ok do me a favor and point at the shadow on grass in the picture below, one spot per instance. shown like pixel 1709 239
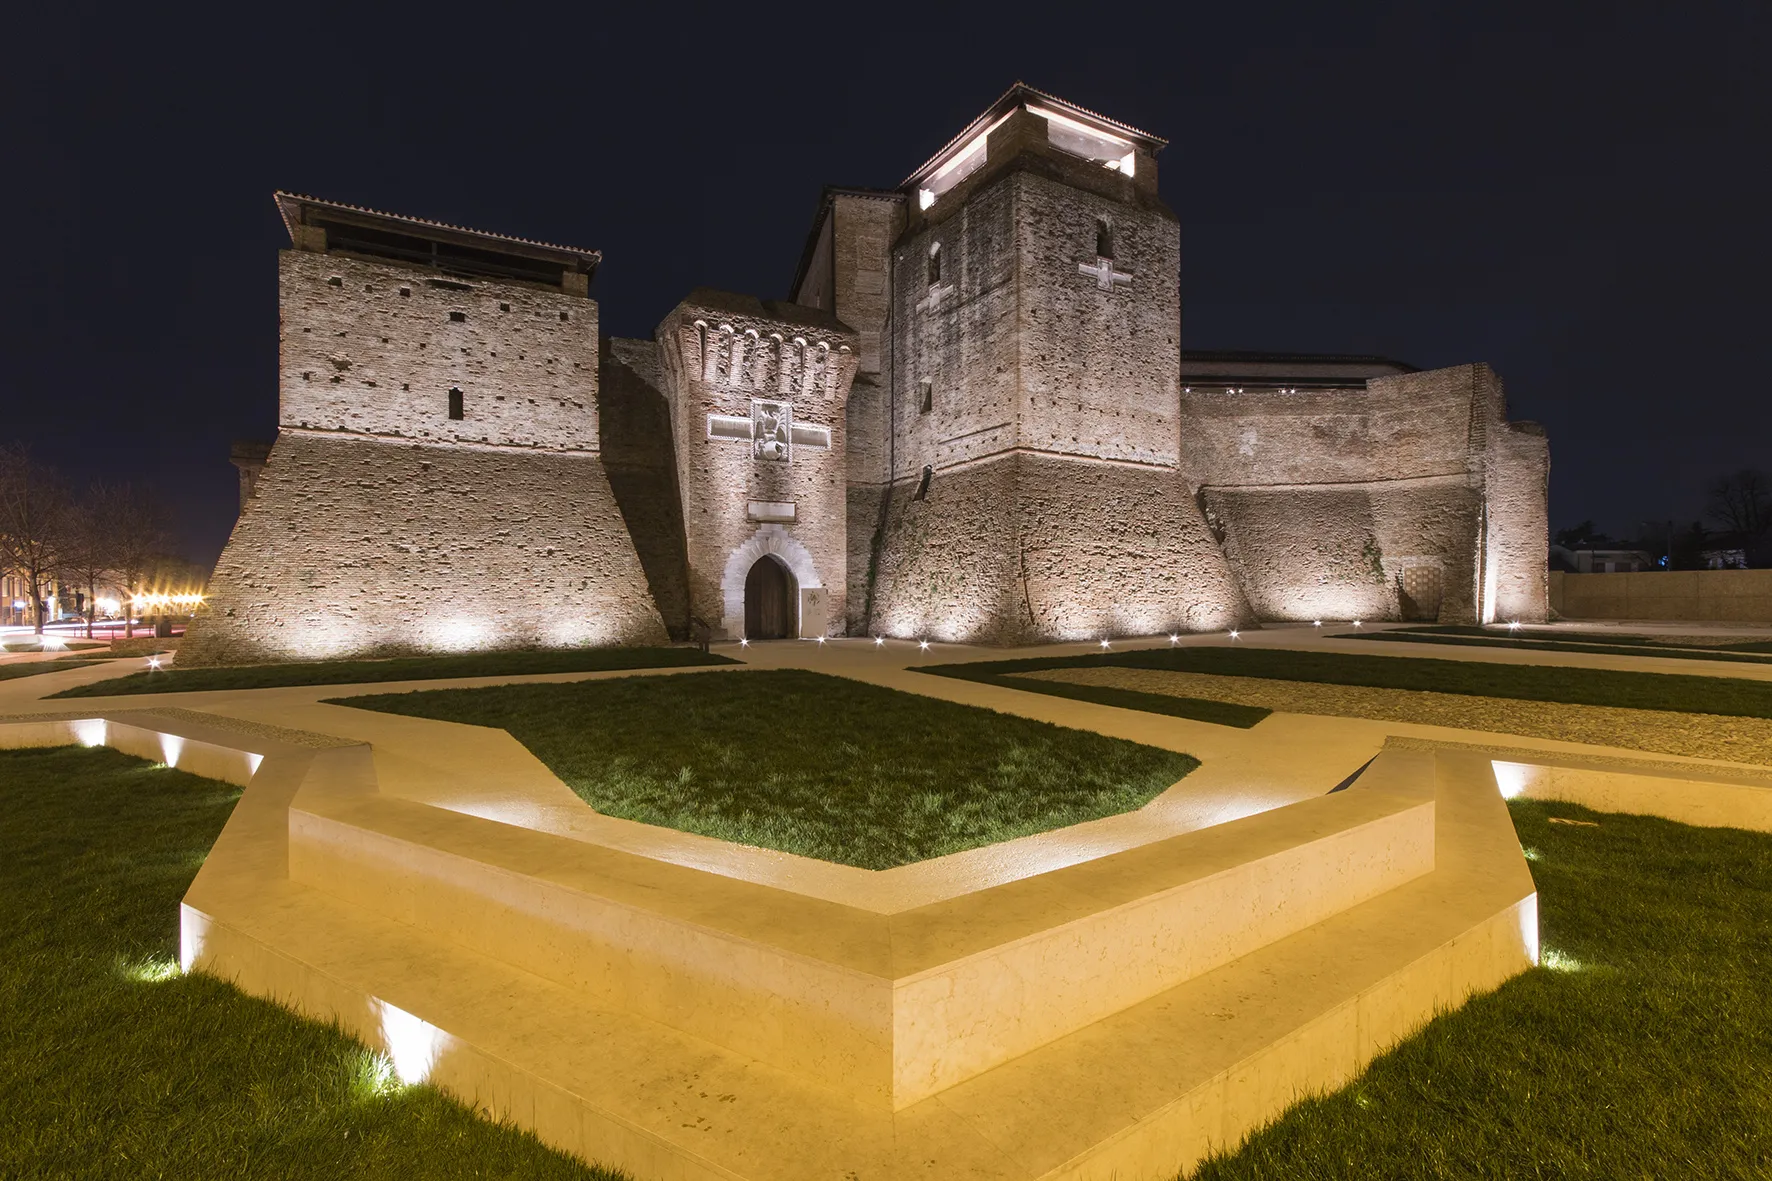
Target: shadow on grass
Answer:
pixel 113 1065
pixel 1638 1051
pixel 406 668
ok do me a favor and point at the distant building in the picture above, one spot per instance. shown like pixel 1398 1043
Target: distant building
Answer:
pixel 1585 560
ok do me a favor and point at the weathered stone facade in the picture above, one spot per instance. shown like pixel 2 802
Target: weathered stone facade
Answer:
pixel 973 421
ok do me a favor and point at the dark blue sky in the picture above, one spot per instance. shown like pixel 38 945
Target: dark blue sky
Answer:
pixel 1578 195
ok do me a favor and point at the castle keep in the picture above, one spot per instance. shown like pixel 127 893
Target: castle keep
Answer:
pixel 971 420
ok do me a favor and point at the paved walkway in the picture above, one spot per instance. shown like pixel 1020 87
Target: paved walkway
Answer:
pixel 1285 758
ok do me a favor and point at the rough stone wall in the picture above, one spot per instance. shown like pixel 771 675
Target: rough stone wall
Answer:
pixel 635 427
pixel 374 347
pixel 1050 422
pixel 361 547
pixel 1028 547
pixel 859 231
pixel 1409 426
pixel 381 525
pixel 1100 369
pixel 1324 499
pixel 721 353
pixel 1336 552
pixel 1517 482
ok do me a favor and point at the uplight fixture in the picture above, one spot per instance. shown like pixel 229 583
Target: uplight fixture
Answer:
pixel 1175 639
pixel 1357 623
pixel 153 662
pixel 821 639
pixel 879 641
pixel 744 642
pixel 1513 625
pixel 922 645
pixel 1104 643
pixel 1235 634
pixel 1316 623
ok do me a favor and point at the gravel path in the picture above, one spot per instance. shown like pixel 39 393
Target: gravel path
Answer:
pixel 1705 736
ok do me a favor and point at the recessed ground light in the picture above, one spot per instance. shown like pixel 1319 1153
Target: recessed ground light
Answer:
pixel 879 641
pixel 1234 634
pixel 923 645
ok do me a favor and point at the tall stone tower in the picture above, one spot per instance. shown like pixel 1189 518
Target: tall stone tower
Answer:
pixel 757 393
pixel 1033 427
pixel 437 483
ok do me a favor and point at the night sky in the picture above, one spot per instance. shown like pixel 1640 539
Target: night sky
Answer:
pixel 1579 195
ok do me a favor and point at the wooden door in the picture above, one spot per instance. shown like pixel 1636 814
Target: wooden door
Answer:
pixel 768 601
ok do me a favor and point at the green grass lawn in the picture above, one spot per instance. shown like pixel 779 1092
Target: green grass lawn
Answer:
pixel 406 668
pixel 1523 682
pixel 112 1065
pixel 1642 1053
pixel 1002 673
pixel 810 764
pixel 1620 646
pixel 32 668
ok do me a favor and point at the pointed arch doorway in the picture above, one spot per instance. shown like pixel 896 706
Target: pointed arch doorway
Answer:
pixel 769 595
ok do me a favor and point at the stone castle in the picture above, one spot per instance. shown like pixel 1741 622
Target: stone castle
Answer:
pixel 972 420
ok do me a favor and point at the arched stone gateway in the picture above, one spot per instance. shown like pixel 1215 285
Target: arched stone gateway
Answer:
pixel 769 541
pixel 770 600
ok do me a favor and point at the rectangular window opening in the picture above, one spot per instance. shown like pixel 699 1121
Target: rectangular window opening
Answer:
pixel 926 402
pixel 455 406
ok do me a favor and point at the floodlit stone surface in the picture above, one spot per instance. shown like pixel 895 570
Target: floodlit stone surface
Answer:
pixel 972 421
pixel 1242 958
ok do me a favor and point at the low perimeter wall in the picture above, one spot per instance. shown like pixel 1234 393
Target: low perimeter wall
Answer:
pixel 1723 596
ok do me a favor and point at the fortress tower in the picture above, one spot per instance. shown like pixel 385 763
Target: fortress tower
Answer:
pixel 436 483
pixel 1031 424
pixel 972 421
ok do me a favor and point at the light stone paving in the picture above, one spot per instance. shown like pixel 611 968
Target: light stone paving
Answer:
pixel 684 1008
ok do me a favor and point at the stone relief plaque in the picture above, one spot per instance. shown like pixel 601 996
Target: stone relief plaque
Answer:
pixel 772 430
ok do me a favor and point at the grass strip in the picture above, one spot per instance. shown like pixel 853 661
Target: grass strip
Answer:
pixel 1678 692
pixel 406 668
pixel 115 1066
pixel 805 763
pixel 1661 651
pixel 1639 1050
pixel 1199 709
pixel 32 668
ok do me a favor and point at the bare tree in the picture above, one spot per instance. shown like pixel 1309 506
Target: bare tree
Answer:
pixel 91 543
pixel 1741 502
pixel 33 524
pixel 134 527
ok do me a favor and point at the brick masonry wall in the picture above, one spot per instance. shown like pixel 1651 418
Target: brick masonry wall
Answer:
pixel 635 425
pixel 1324 499
pixel 1403 427
pixel 1026 547
pixel 1336 553
pixel 374 347
pixel 1517 482
pixel 720 353
pixel 360 547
